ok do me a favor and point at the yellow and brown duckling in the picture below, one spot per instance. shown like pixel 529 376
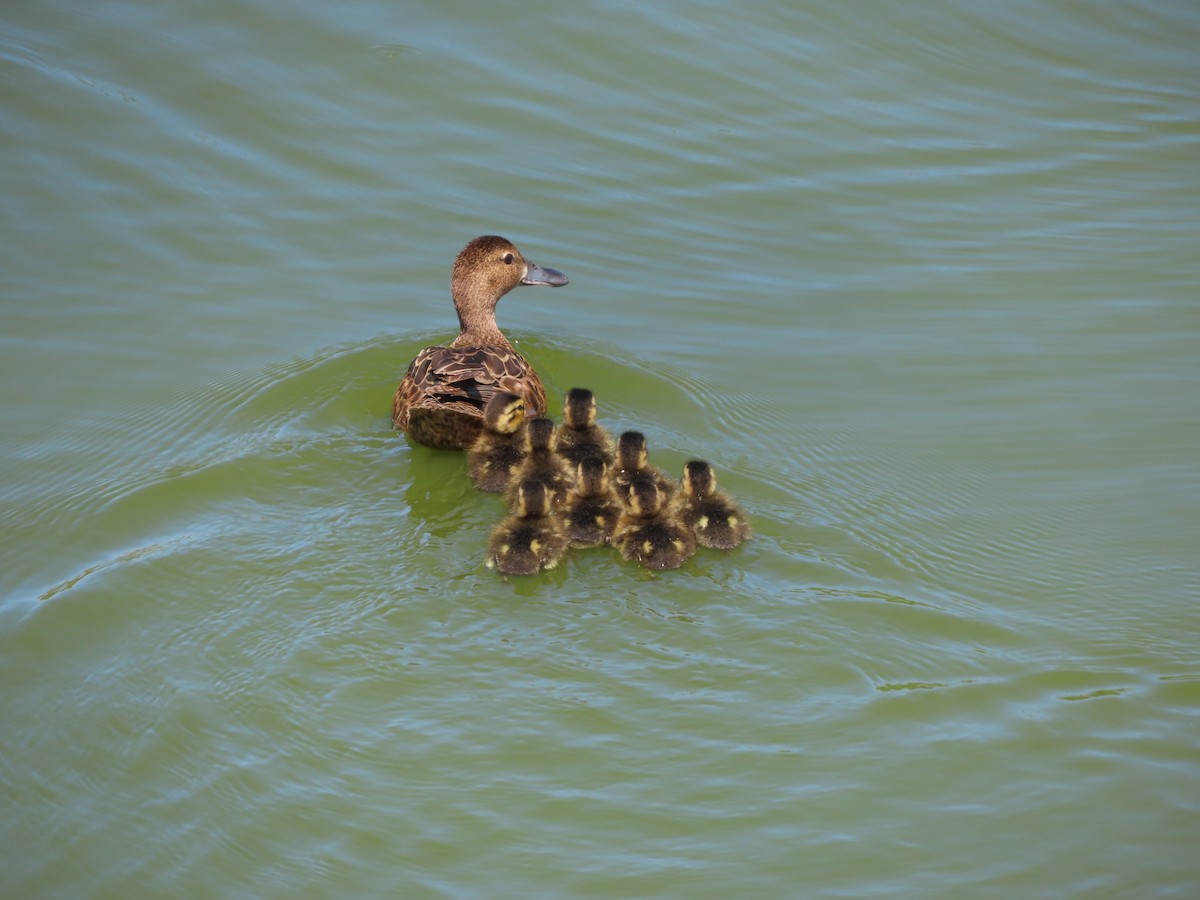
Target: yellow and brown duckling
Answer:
pixel 531 538
pixel 592 508
pixel 633 462
pixel 542 464
pixel 500 448
pixel 579 436
pixel 440 401
pixel 714 517
pixel 648 532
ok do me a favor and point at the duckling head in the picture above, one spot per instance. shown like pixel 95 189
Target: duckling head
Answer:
pixel 541 434
pixel 645 498
pixel 504 413
pixel 532 500
pixel 579 408
pixel 631 450
pixel 699 479
pixel 591 478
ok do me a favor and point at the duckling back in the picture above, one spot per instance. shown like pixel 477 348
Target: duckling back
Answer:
pixel 648 533
pixel 591 508
pixel 530 539
pixel 712 515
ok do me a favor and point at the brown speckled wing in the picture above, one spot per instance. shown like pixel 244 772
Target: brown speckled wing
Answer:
pixel 464 379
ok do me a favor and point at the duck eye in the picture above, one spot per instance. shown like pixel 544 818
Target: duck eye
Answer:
pixel 508 258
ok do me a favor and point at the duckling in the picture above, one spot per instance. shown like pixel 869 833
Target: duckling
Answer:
pixel 542 464
pixel 632 463
pixel 591 508
pixel 579 436
pixel 648 533
pixel 714 517
pixel 440 400
pixel 530 539
pixel 500 447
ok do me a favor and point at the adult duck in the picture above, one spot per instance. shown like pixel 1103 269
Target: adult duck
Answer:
pixel 440 400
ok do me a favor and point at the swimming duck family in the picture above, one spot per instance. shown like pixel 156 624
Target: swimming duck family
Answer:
pixel 654 523
pixel 441 399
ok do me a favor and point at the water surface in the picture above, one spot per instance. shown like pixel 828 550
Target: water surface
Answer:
pixel 921 284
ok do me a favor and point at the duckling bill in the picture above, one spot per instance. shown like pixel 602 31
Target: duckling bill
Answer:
pixel 441 399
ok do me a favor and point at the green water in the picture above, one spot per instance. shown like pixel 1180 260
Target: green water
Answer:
pixel 921 281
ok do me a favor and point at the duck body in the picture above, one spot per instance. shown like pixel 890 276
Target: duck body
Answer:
pixel 579 436
pixel 648 533
pixel 531 538
pixel 441 399
pixel 591 509
pixel 632 463
pixel 500 448
pixel 542 464
pixel 712 515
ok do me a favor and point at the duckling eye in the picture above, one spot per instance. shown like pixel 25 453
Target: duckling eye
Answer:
pixel 508 258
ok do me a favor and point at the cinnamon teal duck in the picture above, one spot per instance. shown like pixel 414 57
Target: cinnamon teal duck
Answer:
pixel 441 398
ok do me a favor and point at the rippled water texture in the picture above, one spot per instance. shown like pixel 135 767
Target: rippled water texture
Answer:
pixel 920 280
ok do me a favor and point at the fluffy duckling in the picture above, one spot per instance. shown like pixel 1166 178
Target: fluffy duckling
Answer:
pixel 648 533
pixel 591 509
pixel 542 464
pixel 711 514
pixel 500 448
pixel 440 400
pixel 632 463
pixel 579 436
pixel 530 539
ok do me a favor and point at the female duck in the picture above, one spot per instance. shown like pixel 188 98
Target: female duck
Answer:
pixel 579 436
pixel 441 398
pixel 648 533
pixel 542 464
pixel 530 539
pixel 591 509
pixel 500 447
pixel 632 463
pixel 711 514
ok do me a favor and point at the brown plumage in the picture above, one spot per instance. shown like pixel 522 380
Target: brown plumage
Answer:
pixel 441 398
